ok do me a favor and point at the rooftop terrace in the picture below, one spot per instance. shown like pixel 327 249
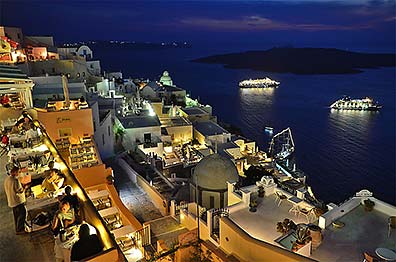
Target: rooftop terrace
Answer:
pixel 209 128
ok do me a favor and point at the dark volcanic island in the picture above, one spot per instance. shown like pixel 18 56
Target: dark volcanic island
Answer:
pixel 302 60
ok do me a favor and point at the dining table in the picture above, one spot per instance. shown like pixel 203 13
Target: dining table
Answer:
pixel 386 254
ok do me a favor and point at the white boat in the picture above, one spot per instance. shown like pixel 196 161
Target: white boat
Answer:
pixel 259 83
pixel 365 104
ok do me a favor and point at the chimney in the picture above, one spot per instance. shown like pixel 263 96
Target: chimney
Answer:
pixel 65 91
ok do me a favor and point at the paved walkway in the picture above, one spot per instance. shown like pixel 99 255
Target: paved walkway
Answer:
pixel 133 197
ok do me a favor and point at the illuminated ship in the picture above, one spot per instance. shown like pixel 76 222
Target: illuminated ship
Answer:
pixel 259 83
pixel 365 104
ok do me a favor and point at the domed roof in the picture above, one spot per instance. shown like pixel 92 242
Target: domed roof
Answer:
pixel 214 171
pixel 165 73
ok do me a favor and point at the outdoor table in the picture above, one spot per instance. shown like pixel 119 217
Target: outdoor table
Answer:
pixel 122 231
pixel 8 123
pixel 25 178
pixel 98 194
pixel 386 254
pixel 295 201
pixel 40 203
pixel 108 212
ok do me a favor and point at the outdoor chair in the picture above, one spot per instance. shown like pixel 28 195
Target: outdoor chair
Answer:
pixel 391 224
pixel 280 197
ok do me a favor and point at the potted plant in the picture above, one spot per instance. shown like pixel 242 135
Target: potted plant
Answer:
pixel 261 191
pixel 303 236
pixel 368 205
pixel 110 179
pixel 285 226
pixel 253 206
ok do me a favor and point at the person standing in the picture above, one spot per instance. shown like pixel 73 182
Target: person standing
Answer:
pixel 16 200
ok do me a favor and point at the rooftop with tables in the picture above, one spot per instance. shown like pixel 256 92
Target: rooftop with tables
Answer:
pixel 348 230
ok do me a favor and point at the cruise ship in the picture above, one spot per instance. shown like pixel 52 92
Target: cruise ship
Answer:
pixel 365 104
pixel 259 83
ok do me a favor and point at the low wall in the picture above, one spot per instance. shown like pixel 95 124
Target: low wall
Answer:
pixel 337 212
pixel 158 200
pixel 383 207
pixel 126 215
pixel 189 221
pixel 91 176
pixel 132 174
pixel 235 241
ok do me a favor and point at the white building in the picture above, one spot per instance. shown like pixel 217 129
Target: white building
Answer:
pixel 103 130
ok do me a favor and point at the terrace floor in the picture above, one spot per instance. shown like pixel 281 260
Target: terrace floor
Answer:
pixel 262 223
pixel 363 231
pixel 19 247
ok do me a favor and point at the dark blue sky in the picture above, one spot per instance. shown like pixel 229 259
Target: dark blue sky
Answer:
pixel 321 23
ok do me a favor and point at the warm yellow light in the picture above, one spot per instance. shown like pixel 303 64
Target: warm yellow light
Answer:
pixel 41 148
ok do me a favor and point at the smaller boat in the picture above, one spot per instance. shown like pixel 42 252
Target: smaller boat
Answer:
pixel 269 129
pixel 365 104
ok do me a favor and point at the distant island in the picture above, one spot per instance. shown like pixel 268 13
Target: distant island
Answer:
pixel 302 60
pixel 130 44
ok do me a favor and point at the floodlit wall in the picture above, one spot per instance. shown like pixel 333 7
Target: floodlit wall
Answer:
pixel 77 69
pixel 104 134
pixel 158 200
pixel 91 176
pixel 180 134
pixel 233 240
pixel 137 134
pixel 78 121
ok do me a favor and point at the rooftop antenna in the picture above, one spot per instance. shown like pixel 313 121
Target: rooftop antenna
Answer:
pixel 65 91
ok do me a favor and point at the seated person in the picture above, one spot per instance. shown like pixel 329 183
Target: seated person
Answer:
pixel 17 128
pixel 26 123
pixel 87 245
pixel 53 182
pixel 72 199
pixel 63 218
pixel 31 134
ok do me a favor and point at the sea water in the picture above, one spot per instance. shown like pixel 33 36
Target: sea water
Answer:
pixel 341 152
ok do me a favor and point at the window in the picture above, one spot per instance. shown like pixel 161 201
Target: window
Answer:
pixel 94 124
pixel 64 132
pixel 53 70
pixel 108 130
pixel 147 138
pixel 211 200
pixel 103 139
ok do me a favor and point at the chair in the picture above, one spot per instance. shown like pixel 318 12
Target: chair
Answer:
pixel 280 197
pixel 391 224
pixel 305 212
pixel 370 258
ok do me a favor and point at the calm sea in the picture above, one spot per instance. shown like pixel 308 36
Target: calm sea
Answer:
pixel 341 152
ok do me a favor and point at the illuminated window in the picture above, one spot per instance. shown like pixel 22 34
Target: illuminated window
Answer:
pixel 64 132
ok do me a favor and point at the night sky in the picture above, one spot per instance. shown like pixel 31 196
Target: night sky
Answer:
pixel 320 23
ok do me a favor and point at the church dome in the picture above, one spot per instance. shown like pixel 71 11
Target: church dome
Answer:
pixel 214 171
pixel 166 79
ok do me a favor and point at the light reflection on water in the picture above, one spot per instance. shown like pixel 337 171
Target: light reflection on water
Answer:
pixel 256 106
pixel 351 123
